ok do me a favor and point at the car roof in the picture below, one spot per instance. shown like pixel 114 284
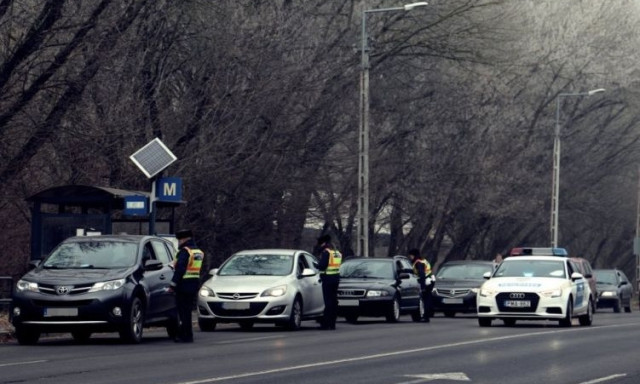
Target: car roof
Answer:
pixel 541 258
pixel 388 259
pixel 269 251
pixel 128 238
pixel 468 262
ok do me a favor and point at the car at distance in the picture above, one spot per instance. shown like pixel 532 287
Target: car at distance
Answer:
pixel 457 284
pixel 106 283
pixel 614 289
pixel 377 287
pixel 535 288
pixel 278 286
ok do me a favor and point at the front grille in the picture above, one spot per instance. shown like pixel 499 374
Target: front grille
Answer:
pixel 236 295
pixel 254 310
pixel 504 296
pixel 50 289
pixel 453 292
pixel 350 293
pixel 62 304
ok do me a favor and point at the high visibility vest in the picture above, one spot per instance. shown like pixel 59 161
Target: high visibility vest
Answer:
pixel 335 259
pixel 195 263
pixel 427 267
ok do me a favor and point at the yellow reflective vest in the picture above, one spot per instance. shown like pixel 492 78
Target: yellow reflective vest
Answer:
pixel 195 263
pixel 335 259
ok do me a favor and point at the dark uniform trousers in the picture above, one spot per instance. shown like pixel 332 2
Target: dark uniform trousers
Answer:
pixel 330 295
pixel 186 294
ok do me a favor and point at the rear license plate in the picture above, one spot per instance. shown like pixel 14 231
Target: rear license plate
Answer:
pixel 517 303
pixel 452 301
pixel 59 312
pixel 348 303
pixel 236 305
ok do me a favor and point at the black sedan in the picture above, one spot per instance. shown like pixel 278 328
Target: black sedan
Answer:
pixel 375 287
pixel 614 289
pixel 457 283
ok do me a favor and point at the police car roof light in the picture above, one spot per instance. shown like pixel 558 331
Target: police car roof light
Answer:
pixel 528 251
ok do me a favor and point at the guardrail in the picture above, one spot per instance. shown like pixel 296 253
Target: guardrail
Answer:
pixel 6 292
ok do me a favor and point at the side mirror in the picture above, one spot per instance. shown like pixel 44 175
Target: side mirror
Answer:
pixel 623 283
pixel 404 276
pixel 576 276
pixel 487 275
pixel 33 264
pixel 212 272
pixel 308 272
pixel 153 265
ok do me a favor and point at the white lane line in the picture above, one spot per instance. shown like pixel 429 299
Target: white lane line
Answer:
pixel 396 353
pixel 23 363
pixel 249 339
pixel 603 379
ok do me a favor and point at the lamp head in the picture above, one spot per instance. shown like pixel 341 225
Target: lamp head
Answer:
pixel 409 7
pixel 594 91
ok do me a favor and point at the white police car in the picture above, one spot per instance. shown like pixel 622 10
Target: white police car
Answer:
pixel 535 288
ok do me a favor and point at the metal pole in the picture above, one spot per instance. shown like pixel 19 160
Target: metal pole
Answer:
pixel 362 248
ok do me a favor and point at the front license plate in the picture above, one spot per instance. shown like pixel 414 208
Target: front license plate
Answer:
pixel 348 303
pixel 452 301
pixel 59 312
pixel 517 303
pixel 236 305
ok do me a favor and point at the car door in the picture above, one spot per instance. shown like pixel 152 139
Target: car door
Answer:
pixel 625 286
pixel 410 288
pixel 314 302
pixel 579 288
pixel 161 302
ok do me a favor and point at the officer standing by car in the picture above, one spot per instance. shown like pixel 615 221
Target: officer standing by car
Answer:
pixel 185 282
pixel 422 269
pixel 329 266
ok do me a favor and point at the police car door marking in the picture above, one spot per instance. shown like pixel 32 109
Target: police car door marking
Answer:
pixel 579 293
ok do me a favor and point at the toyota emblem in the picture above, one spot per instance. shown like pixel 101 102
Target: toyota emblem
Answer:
pixel 516 295
pixel 62 290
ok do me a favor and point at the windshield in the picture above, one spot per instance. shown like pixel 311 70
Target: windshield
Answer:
pixel 93 254
pixel 266 265
pixel 531 268
pixel 367 269
pixel 606 277
pixel 464 271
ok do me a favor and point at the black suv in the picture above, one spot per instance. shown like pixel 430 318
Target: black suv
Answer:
pixel 107 283
pixel 379 287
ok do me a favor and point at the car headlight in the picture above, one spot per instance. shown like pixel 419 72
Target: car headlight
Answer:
pixel 275 291
pixel 377 293
pixel 206 292
pixel 26 286
pixel 111 285
pixel 552 293
pixel 609 294
pixel 475 290
pixel 486 292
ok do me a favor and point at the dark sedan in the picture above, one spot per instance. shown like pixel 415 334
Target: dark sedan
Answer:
pixel 456 285
pixel 379 288
pixel 614 289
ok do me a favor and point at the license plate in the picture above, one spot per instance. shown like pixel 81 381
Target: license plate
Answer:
pixel 517 303
pixel 236 305
pixel 452 301
pixel 59 312
pixel 348 303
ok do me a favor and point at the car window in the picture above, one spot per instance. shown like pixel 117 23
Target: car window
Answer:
pixel 623 277
pixel 93 254
pixel 406 266
pixel 311 261
pixel 161 252
pixel 606 277
pixel 531 268
pixel 302 264
pixel 257 264
pixel 463 271
pixel 367 269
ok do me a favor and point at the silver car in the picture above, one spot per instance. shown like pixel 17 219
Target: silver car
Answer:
pixel 280 286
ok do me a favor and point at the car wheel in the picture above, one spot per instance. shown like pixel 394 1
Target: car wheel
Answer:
pixel 353 319
pixel 295 318
pixel 616 306
pixel 131 332
pixel 484 321
pixel 509 322
pixel 566 322
pixel 449 313
pixel 172 328
pixel 81 336
pixel 587 318
pixel 27 336
pixel 419 314
pixel 394 312
pixel 246 325
pixel 207 325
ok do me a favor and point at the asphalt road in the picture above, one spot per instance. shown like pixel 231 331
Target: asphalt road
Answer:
pixel 372 351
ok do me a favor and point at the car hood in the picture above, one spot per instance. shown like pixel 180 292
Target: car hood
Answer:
pixel 458 283
pixel 523 284
pixel 244 283
pixel 74 276
pixel 365 283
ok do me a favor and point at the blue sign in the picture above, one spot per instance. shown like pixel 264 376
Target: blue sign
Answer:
pixel 169 189
pixel 136 206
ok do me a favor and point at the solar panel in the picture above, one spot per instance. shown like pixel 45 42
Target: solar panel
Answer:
pixel 153 158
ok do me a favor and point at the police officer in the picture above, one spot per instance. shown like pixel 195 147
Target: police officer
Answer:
pixel 186 282
pixel 422 269
pixel 329 266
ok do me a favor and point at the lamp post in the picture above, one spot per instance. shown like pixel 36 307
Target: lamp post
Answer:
pixel 555 187
pixel 362 247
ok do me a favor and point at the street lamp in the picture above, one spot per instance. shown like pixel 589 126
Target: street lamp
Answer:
pixel 362 247
pixel 555 187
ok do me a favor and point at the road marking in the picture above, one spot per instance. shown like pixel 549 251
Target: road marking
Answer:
pixel 603 379
pixel 395 353
pixel 249 339
pixel 23 363
pixel 454 376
